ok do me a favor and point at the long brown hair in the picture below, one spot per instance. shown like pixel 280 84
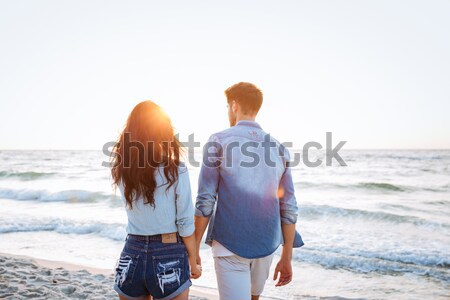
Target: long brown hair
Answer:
pixel 146 142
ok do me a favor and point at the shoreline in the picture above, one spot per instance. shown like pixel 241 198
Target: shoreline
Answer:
pixel 38 278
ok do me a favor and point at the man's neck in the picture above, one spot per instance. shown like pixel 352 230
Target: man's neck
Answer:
pixel 245 118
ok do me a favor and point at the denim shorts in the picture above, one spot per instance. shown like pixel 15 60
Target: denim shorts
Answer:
pixel 149 267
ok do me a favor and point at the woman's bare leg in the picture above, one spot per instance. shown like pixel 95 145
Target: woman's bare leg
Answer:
pixel 183 296
pixel 125 298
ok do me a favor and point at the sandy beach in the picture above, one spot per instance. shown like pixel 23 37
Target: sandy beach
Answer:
pixel 23 277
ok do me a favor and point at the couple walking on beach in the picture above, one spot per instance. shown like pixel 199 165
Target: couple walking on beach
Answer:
pixel 249 205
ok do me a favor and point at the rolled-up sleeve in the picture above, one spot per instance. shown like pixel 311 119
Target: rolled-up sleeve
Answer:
pixel 286 192
pixel 209 178
pixel 184 205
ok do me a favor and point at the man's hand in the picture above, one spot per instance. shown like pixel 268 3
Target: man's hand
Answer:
pixel 284 267
pixel 284 270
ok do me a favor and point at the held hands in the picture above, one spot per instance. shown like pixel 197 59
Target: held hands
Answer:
pixel 196 268
pixel 284 270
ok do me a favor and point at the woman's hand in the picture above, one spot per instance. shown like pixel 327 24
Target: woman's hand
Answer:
pixel 196 269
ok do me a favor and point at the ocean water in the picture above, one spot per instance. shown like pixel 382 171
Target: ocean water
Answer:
pixel 376 229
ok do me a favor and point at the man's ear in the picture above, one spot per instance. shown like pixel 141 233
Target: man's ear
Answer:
pixel 234 106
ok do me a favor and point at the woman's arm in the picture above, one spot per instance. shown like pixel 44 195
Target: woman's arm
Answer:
pixel 185 220
pixel 191 247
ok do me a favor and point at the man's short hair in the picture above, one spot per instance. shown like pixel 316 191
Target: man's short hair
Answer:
pixel 247 95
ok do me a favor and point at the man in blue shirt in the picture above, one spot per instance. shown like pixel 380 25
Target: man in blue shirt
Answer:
pixel 246 194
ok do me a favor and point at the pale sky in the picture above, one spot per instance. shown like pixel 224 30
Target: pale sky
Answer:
pixel 375 73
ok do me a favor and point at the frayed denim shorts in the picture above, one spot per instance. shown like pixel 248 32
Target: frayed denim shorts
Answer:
pixel 149 267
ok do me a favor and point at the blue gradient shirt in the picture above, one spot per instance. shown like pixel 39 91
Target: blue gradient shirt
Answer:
pixel 246 189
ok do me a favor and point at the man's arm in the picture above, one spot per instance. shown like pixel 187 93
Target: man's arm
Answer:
pixel 284 267
pixel 207 189
pixel 288 213
pixel 200 226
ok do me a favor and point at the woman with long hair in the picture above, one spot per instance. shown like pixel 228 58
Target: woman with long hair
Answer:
pixel 159 255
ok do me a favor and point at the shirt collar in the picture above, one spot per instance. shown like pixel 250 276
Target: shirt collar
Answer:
pixel 248 123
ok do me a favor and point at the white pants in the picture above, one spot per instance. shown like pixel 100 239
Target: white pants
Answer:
pixel 239 278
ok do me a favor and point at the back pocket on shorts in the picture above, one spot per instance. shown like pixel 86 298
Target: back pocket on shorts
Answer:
pixel 169 272
pixel 125 268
